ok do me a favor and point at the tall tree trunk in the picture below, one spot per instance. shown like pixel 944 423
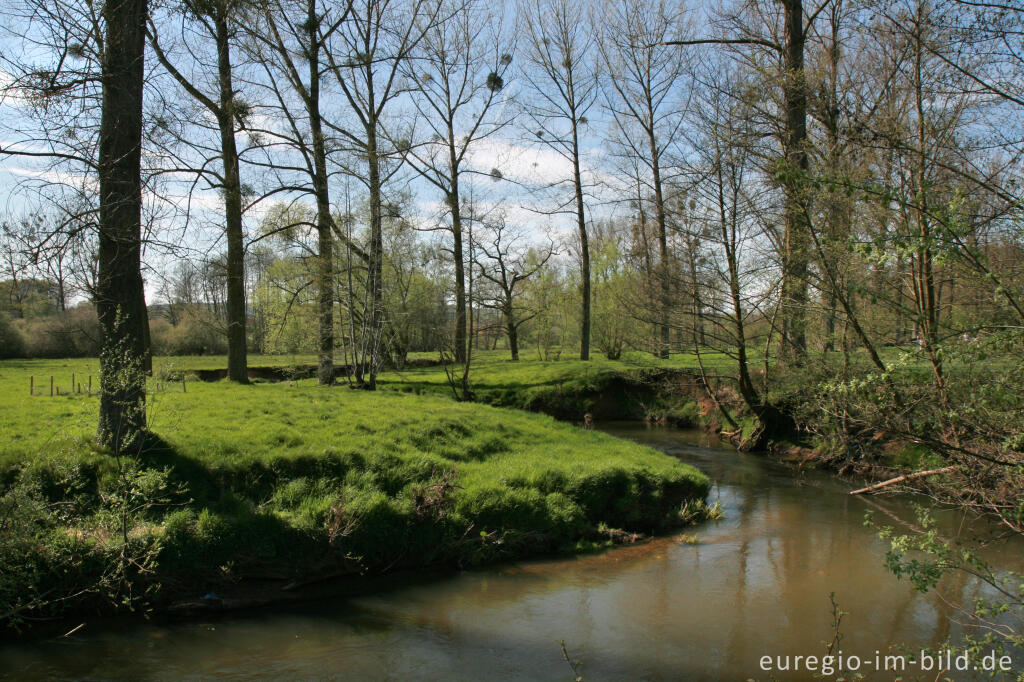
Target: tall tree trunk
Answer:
pixel 581 225
pixel 375 274
pixel 237 338
pixel 120 298
pixel 659 212
pixel 795 255
pixel 746 385
pixel 838 228
pixel 927 305
pixel 325 241
pixel 455 204
pixel 663 266
pixel 838 206
pixel 460 288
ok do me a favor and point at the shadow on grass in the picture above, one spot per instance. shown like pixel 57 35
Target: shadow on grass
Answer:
pixel 158 453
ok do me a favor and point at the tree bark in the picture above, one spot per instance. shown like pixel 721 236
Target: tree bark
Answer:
pixel 924 275
pixel 795 255
pixel 236 310
pixel 120 298
pixel 376 270
pixel 325 241
pixel 513 337
pixel 581 225
pixel 663 268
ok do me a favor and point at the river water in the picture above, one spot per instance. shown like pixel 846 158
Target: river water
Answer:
pixel 756 583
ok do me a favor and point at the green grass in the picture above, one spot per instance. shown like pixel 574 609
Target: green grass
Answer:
pixel 270 470
pixel 567 388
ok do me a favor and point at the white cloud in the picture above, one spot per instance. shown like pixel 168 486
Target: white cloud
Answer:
pixel 520 163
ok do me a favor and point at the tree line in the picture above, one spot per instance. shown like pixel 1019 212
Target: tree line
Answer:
pixel 775 181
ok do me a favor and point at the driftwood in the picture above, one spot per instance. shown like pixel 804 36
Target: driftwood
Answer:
pixel 905 477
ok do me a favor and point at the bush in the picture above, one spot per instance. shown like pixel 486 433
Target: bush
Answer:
pixel 71 334
pixel 197 333
pixel 11 345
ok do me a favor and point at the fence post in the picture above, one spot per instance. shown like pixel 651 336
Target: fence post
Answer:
pixel 51 385
pixel 72 382
pixel 32 385
pixel 90 384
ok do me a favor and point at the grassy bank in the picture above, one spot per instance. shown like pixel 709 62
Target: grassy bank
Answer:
pixel 291 481
pixel 636 387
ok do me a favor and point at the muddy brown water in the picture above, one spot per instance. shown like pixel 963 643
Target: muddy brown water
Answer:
pixel 756 584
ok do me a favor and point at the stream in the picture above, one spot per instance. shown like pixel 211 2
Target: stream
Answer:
pixel 755 583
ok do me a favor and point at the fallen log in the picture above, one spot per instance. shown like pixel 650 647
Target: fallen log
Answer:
pixel 904 477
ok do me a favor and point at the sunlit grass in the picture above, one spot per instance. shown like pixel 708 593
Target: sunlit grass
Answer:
pixel 269 467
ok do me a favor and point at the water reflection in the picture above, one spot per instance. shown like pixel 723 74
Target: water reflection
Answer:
pixel 757 584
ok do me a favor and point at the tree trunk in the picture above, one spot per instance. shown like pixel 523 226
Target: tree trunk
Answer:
pixel 120 298
pixel 581 225
pixel 513 337
pixel 904 478
pixel 237 360
pixel 925 267
pixel 325 241
pixel 838 206
pixel 375 274
pixel 460 279
pixel 795 255
pixel 663 269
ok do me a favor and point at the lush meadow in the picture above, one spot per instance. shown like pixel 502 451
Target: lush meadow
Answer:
pixel 293 481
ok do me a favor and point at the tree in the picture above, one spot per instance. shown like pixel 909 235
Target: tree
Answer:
pixel 643 97
pixel 563 79
pixel 373 47
pixel 796 249
pixel 616 279
pixel 282 45
pixel 120 298
pixel 60 83
pixel 217 21
pixel 506 261
pixel 459 70
pixel 735 237
pixel 793 164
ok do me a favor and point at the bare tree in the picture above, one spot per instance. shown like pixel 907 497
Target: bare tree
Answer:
pixel 728 197
pixel 788 49
pixel 217 22
pixel 297 53
pixel 59 84
pixel 644 97
pixel 458 71
pixel 563 79
pixel 505 261
pixel 372 49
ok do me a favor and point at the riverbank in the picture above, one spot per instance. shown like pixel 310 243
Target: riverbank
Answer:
pixel 285 483
pixel 291 483
pixel 689 392
pixel 756 581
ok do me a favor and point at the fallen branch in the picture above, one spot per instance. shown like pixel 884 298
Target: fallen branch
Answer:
pixel 73 630
pixel 905 477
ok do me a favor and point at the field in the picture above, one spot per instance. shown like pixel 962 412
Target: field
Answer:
pixel 290 479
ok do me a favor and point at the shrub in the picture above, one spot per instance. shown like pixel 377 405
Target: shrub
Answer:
pixel 11 345
pixel 197 333
pixel 71 334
